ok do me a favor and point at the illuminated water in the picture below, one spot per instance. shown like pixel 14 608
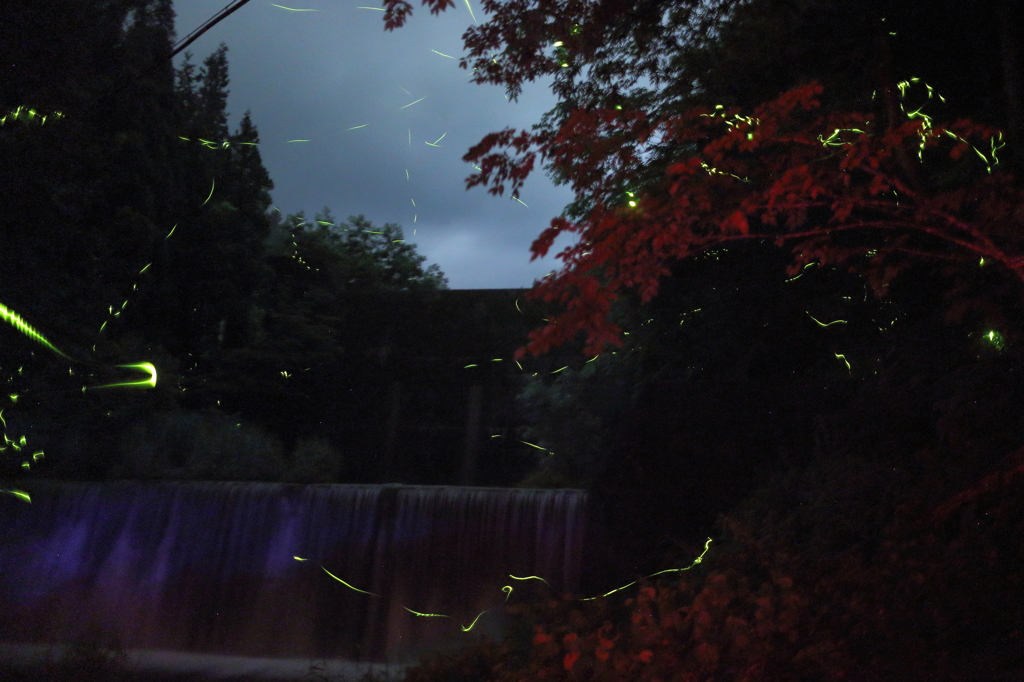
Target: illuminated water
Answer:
pixel 211 568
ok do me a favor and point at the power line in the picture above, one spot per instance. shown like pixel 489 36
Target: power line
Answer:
pixel 204 27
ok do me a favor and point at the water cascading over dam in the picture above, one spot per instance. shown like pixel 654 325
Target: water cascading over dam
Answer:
pixel 212 568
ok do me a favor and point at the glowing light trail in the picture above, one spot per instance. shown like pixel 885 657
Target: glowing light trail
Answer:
pixel 409 105
pixel 467 628
pixel 347 585
pixel 12 318
pixel 426 615
pixel 825 324
pixel 148 382
pixel 20 494
pixel 667 570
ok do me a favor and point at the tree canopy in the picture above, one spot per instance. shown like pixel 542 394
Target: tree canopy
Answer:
pixel 822 127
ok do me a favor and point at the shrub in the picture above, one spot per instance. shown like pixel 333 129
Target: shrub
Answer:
pixel 314 460
pixel 848 569
pixel 205 446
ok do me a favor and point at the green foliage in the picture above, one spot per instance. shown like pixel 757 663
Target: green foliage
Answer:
pixel 339 256
pixel 205 446
pixel 314 460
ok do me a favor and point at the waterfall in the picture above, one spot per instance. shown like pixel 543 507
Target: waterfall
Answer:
pixel 211 567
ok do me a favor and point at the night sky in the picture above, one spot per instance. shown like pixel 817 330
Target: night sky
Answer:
pixel 313 75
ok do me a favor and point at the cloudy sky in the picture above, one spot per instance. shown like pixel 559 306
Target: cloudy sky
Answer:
pixel 316 75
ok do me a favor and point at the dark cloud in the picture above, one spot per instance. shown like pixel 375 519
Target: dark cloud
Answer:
pixel 314 75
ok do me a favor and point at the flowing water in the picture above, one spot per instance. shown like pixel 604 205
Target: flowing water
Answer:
pixel 215 567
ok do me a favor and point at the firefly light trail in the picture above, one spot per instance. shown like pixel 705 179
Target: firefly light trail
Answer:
pixel 508 589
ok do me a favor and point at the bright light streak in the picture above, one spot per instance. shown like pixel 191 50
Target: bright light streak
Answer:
pixel 409 105
pixel 20 494
pixel 530 577
pixel 467 628
pixel 825 324
pixel 425 615
pixel 12 318
pixel 347 585
pixel 667 570
pixel 292 9
pixel 149 381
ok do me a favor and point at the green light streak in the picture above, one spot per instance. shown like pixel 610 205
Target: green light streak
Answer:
pixel 843 358
pixel 15 320
pixel 530 577
pixel 20 494
pixel 472 16
pixel 27 115
pixel 443 54
pixel 213 183
pixel 347 585
pixel 667 570
pixel 425 615
pixel 357 127
pixel 292 9
pixel 467 628
pixel 409 105
pixel 148 382
pixel 520 201
pixel 825 324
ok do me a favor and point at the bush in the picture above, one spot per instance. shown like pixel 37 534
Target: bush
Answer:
pixel 204 446
pixel 314 460
pixel 849 569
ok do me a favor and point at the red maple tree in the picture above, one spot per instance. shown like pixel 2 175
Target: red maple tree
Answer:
pixel 842 188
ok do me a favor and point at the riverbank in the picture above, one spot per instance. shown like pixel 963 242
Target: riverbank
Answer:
pixel 38 663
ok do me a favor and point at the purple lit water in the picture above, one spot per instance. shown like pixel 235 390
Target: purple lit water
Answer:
pixel 211 568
